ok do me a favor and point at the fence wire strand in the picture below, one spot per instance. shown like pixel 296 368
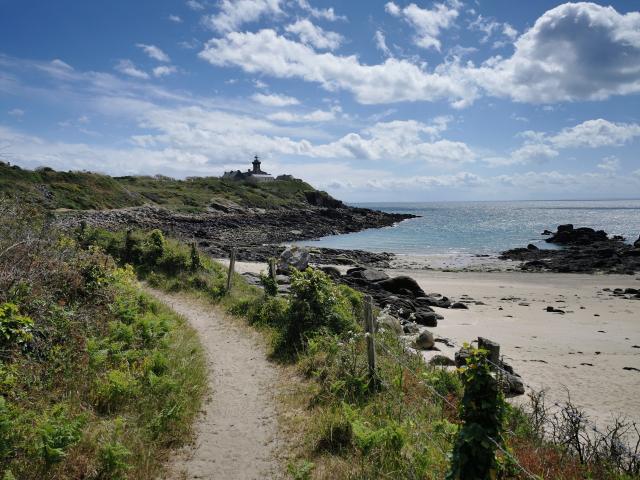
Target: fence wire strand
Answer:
pixel 448 402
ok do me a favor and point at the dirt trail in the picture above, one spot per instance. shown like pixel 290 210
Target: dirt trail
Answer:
pixel 236 435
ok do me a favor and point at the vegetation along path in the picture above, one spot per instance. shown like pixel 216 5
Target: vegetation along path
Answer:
pixel 236 437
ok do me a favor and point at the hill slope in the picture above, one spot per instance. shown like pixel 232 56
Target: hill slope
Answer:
pixel 86 190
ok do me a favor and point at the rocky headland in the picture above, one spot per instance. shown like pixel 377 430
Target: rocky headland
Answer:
pixel 581 250
pixel 255 233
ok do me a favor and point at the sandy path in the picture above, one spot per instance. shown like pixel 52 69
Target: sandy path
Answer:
pixel 236 435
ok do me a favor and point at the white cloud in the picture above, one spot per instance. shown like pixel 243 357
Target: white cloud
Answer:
pixel 491 27
pixel 576 51
pixel 175 18
pixel 381 43
pixel 315 36
pixel 16 112
pixel 234 13
pixel 392 81
pixel 164 70
pixel 274 100
pixel 401 141
pixel 154 52
pixel 195 5
pixel 596 133
pixel 314 116
pixel 322 13
pixel 540 146
pixel 610 164
pixel 128 68
pixel 427 23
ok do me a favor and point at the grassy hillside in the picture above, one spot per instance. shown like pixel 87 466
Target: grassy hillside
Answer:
pixel 97 379
pixel 86 190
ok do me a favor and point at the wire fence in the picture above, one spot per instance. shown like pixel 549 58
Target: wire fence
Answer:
pixel 628 458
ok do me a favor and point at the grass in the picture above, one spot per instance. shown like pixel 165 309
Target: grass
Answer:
pixel 97 379
pixel 338 425
pixel 86 190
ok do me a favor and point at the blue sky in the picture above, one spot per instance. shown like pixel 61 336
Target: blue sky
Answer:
pixel 370 100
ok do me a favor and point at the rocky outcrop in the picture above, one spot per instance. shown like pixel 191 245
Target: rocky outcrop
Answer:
pixel 583 250
pixel 257 234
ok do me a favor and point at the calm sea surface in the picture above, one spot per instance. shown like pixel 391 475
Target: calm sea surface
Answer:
pixel 461 228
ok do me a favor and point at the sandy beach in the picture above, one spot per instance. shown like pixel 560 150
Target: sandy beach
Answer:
pixel 583 351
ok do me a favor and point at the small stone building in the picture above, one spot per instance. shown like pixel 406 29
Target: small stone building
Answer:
pixel 254 174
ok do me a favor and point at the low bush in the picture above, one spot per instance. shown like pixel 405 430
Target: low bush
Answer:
pixel 97 380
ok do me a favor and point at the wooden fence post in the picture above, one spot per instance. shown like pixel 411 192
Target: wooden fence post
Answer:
pixel 371 345
pixel 232 265
pixel 272 269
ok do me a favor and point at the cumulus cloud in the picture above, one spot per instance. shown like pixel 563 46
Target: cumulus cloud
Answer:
pixel 154 52
pixel 311 34
pixel 576 51
pixel 392 81
pixel 234 13
pixel 274 100
pixel 16 112
pixel 127 67
pixel 540 146
pixel 426 23
pixel 175 18
pixel 401 141
pixel 596 133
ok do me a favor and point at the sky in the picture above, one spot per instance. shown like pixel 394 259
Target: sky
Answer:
pixel 369 100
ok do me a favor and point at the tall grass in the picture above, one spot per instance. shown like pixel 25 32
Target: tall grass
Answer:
pixel 97 380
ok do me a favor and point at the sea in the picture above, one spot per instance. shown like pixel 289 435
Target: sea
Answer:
pixel 485 228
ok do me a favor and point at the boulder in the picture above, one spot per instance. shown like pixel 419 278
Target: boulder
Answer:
pixel 461 357
pixel 459 306
pixel 400 284
pixel 424 341
pixel 532 247
pixel 426 318
pixel 368 274
pixel 333 272
pixel 442 360
pixel 411 328
pixel 636 244
pixel 431 301
pixel 513 384
pixel 293 257
pixel 388 322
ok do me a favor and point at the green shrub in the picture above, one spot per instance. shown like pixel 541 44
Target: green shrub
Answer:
pixel 316 305
pixel 14 328
pixel 115 389
pixel 153 247
pixel 57 433
pixel 301 470
pixel 482 411
pixel 113 461
pixel 269 284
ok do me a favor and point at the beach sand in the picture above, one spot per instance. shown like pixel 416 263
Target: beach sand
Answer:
pixel 557 352
pixel 583 351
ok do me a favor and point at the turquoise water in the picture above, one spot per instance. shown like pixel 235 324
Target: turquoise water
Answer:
pixel 485 227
